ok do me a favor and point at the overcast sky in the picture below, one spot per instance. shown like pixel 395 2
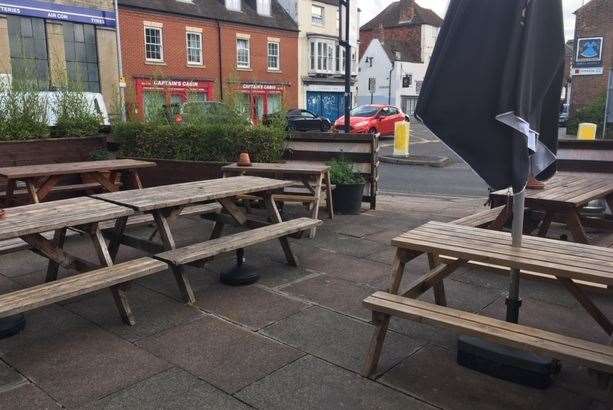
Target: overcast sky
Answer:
pixel 370 8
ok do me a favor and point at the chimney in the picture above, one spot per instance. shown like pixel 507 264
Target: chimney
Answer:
pixel 381 34
pixel 407 10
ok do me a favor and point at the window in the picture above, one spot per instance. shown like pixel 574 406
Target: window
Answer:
pixel 194 48
pixel 153 44
pixel 263 7
pixel 324 56
pixel 82 56
pixel 273 56
pixel 313 55
pixel 28 44
pixel 242 53
pixel 340 59
pixel 317 15
pixel 234 5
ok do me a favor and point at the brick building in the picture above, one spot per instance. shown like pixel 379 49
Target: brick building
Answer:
pixel 56 41
pixel 593 35
pixel 175 51
pixel 404 22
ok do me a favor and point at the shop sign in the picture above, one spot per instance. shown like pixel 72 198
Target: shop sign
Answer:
pixel 174 83
pixel 257 86
pixel 52 11
pixel 587 71
pixel 589 52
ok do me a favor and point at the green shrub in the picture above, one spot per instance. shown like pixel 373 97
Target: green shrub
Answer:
pixel 76 117
pixel 210 142
pixel 23 114
pixel 593 113
pixel 342 172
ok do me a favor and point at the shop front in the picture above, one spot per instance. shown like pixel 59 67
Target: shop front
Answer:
pixel 156 96
pixel 260 99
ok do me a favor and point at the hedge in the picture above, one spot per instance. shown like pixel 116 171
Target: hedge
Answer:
pixel 213 142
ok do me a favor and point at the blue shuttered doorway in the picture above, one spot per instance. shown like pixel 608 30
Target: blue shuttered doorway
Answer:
pixel 326 104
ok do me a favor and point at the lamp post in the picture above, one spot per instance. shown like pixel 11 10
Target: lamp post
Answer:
pixel 344 42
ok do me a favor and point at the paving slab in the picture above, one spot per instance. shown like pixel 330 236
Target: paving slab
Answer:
pixel 21 263
pixel 251 306
pixel 10 378
pixel 338 339
pixel 433 376
pixel 171 389
pixel 347 245
pixel 311 383
pixel 73 360
pixel 26 397
pixel 154 312
pixel 223 354
pixel 166 284
pixel 334 293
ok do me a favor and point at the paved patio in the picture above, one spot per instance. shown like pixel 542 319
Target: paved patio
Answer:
pixel 297 339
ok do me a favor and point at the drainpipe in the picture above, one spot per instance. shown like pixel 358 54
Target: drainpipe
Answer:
pixel 389 89
pixel 122 95
pixel 220 62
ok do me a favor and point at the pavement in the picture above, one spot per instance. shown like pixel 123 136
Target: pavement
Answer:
pixel 295 340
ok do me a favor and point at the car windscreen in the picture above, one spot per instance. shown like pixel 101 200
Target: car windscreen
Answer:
pixel 365 111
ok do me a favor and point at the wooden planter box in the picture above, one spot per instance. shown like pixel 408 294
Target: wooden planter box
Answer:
pixel 48 151
pixel 170 171
pixel 585 156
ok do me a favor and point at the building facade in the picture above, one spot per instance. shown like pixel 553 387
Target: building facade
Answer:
pixel 393 64
pixel 593 53
pixel 321 67
pixel 204 50
pixel 55 42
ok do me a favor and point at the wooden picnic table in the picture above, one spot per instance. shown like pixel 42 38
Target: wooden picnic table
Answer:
pixel 85 214
pixel 165 203
pixel 313 177
pixel 41 180
pixel 562 200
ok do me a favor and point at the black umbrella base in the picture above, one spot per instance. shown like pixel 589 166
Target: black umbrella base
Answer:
pixel 516 366
pixel 240 275
pixel 11 325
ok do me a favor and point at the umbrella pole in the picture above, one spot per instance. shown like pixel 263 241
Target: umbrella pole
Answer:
pixel 513 299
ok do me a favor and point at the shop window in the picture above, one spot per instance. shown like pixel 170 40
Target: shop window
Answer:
pixel 317 15
pixel 28 44
pixel 197 97
pixel 194 48
pixel 275 103
pixel 82 56
pixel 273 56
pixel 242 53
pixel 154 49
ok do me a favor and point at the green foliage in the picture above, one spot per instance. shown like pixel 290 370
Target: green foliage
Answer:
pixel 76 117
pixel 210 142
pixel 342 172
pixel 593 113
pixel 23 113
pixel 100 155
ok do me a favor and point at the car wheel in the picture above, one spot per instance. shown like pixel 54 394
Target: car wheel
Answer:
pixel 325 127
pixel 373 130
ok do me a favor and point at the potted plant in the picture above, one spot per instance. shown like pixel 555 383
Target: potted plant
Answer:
pixel 347 198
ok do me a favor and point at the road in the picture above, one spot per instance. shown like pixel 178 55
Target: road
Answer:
pixel 455 179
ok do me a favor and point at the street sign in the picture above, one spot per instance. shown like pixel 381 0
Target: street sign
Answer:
pixel 372 85
pixel 52 11
pixel 587 71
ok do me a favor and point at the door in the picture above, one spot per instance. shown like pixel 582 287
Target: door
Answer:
pixel 330 105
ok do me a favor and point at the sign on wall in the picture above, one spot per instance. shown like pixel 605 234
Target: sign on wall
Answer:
pixel 53 11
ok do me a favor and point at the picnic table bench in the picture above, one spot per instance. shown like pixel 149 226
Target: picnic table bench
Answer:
pixel 311 176
pixel 460 244
pixel 165 203
pixel 41 180
pixel 562 200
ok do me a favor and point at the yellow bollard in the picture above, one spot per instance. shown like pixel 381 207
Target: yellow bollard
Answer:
pixel 587 131
pixel 402 137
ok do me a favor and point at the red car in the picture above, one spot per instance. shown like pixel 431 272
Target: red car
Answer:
pixel 373 118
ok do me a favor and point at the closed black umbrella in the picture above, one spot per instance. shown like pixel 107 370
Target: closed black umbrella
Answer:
pixel 492 94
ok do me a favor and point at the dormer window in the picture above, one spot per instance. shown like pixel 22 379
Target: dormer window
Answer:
pixel 234 5
pixel 264 7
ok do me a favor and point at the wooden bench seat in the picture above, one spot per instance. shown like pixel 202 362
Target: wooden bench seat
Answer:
pixel 61 189
pixel 584 353
pixel 41 295
pixel 229 243
pixel 14 245
pixel 481 219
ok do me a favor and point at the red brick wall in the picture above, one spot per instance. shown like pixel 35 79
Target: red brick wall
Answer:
pixel 411 36
pixel 595 19
pixel 175 58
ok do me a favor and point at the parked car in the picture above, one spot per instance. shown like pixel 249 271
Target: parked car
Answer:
pixel 563 119
pixel 305 120
pixel 373 119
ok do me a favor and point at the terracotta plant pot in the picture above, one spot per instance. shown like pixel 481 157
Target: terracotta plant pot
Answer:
pixel 2 213
pixel 244 160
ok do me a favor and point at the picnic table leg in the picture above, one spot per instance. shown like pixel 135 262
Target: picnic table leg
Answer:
pixel 545 224
pixel 119 292
pixel 381 322
pixel 235 212
pixel 169 243
pixel 106 183
pixel 329 195
pixel 573 222
pixel 439 287
pixel 397 270
pixel 315 212
pixel 292 260
pixel 59 237
pixel 588 305
pixel 120 227
pixel 10 190
pixel 32 190
pixel 135 179
pixel 501 219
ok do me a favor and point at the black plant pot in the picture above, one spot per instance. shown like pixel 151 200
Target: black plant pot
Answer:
pixel 347 199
